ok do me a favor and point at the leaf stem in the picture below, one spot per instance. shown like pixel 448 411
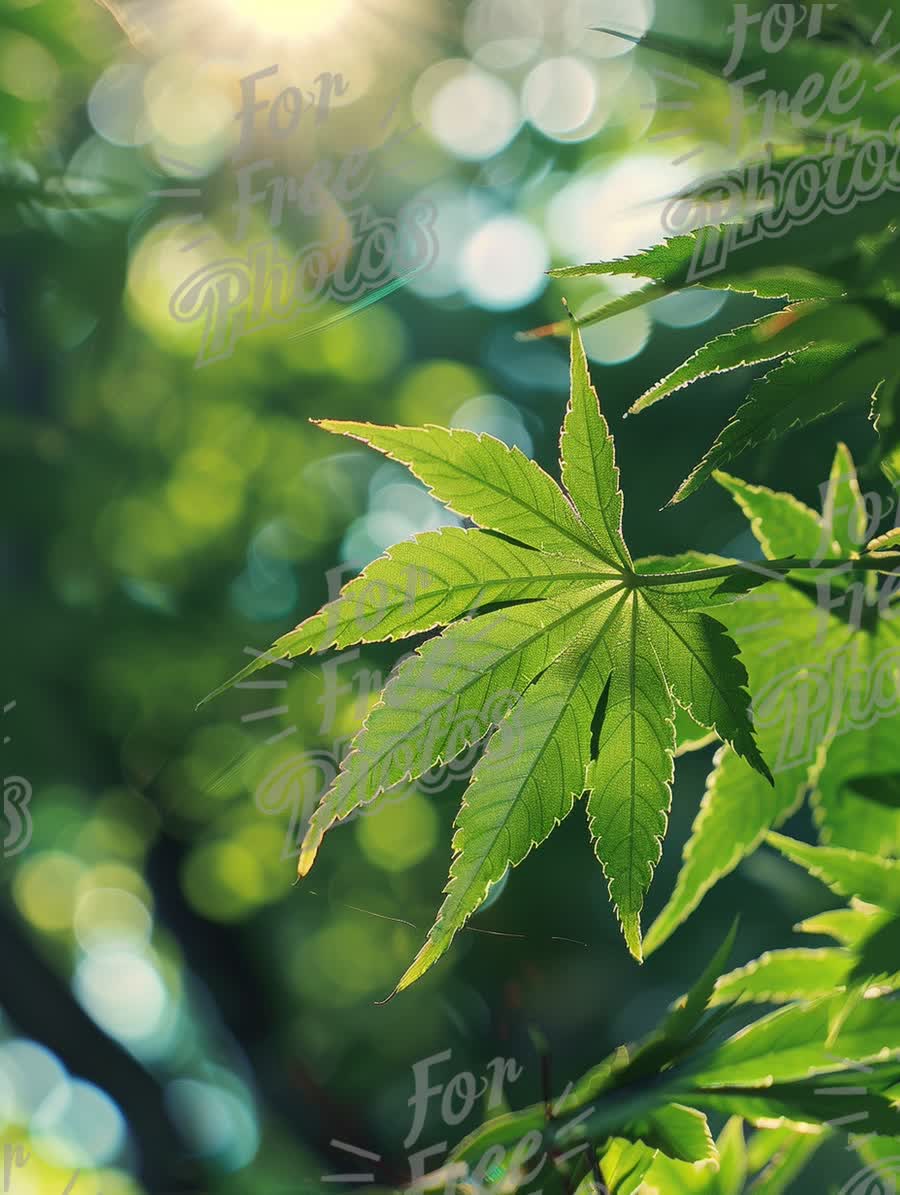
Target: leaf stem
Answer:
pixel 773 569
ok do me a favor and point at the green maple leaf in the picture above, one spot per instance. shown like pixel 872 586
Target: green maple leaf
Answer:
pixel 777 1069
pixel 579 622
pixel 784 633
pixel 869 878
pixel 868 935
pixel 828 352
pixel 835 344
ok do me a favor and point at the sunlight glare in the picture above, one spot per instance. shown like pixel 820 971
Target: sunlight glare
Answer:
pixel 277 16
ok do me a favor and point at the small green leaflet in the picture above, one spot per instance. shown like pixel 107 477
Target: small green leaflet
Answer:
pixel 861 969
pixel 793 267
pixel 779 1155
pixel 782 631
pixel 874 880
pixel 804 388
pixel 838 265
pixel 654 1093
pixel 676 1131
pixel 866 960
pixel 802 57
pixel 573 621
pixel 624 1165
pixel 790 1046
pixel 847 926
pixel 667 1175
pixel 792 330
pixel 779 976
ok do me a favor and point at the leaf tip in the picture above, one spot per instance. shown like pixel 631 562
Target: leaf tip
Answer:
pixel 684 491
pixel 641 404
pixel 308 853
pixel 636 40
pixel 228 684
pixel 724 479
pixel 631 928
pixel 413 972
pixel 555 329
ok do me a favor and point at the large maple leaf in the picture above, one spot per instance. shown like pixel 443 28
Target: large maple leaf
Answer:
pixel 573 622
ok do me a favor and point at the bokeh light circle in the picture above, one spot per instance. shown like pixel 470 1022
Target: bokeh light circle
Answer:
pixel 583 18
pixel 116 105
pixel 559 96
pixel 688 308
pixel 110 914
pixel 503 264
pixel 123 992
pixel 618 339
pixel 611 213
pixel 79 1125
pixel 501 34
pixel 214 1121
pixel 33 1073
pixel 497 417
pixel 474 115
